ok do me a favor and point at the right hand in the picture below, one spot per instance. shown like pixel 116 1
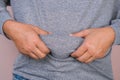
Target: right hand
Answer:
pixel 26 38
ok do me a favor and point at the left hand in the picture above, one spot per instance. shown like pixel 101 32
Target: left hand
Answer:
pixel 97 42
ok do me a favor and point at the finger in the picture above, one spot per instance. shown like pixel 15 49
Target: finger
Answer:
pixel 41 31
pixel 80 51
pixel 32 55
pixel 83 33
pixel 86 56
pixel 90 60
pixel 38 53
pixel 42 47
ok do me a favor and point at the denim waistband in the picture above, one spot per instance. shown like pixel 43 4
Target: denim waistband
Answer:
pixel 18 77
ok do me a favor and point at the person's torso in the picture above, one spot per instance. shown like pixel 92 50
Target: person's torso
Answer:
pixel 62 17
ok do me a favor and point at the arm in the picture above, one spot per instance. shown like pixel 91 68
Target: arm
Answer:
pixel 97 46
pixel 4 15
pixel 25 36
pixel 115 24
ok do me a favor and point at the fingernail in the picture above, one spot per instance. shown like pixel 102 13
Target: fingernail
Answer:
pixel 50 32
pixel 71 35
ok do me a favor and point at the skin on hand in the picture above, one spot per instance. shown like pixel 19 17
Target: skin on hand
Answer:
pixel 97 42
pixel 26 38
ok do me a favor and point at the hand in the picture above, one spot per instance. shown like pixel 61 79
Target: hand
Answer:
pixel 97 42
pixel 26 38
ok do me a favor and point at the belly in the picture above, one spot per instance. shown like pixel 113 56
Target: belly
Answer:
pixel 61 45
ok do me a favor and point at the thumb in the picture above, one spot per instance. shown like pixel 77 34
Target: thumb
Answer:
pixel 83 33
pixel 40 31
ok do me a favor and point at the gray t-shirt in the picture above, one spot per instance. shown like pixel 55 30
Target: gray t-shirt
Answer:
pixel 62 17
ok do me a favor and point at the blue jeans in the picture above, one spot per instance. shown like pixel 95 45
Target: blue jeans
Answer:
pixel 18 77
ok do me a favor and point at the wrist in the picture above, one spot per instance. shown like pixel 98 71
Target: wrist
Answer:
pixel 7 23
pixel 6 26
pixel 111 32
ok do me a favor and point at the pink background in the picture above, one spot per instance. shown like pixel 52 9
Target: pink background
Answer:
pixel 8 53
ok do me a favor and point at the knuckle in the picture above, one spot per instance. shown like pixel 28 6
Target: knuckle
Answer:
pixel 87 44
pixel 28 48
pixel 23 51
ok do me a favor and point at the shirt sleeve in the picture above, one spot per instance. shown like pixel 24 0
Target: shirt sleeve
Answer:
pixel 115 24
pixel 4 15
